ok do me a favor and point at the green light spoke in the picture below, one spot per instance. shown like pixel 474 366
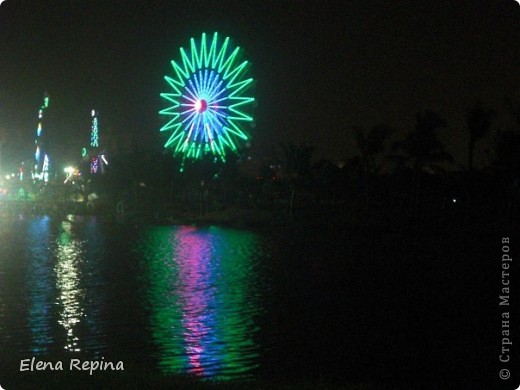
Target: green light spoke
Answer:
pixel 181 72
pixel 173 138
pixel 224 142
pixel 238 87
pixel 170 97
pixel 239 102
pixel 236 130
pixel 212 51
pixel 171 111
pixel 172 124
pixel 177 86
pixel 240 116
pixel 188 64
pixel 234 74
pixel 219 59
pixel 227 136
pixel 225 68
pixel 203 55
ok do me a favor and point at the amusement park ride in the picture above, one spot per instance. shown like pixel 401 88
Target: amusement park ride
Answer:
pixel 41 168
pixel 209 104
pixel 96 155
pixel 210 108
pixel 40 171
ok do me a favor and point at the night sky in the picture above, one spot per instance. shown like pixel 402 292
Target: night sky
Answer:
pixel 319 67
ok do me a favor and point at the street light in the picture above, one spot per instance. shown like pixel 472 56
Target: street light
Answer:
pixel 69 171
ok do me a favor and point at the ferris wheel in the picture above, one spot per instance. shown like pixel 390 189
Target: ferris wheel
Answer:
pixel 210 103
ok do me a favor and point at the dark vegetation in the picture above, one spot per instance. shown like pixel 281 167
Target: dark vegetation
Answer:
pixel 389 184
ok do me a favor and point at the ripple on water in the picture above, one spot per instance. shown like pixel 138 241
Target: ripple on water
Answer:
pixel 203 298
pixel 188 298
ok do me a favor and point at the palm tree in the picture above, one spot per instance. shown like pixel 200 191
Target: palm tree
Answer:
pixel 507 164
pixel 371 144
pixel 297 160
pixel 422 147
pixel 297 167
pixel 479 121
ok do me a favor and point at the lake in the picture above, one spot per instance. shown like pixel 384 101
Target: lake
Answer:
pixel 221 305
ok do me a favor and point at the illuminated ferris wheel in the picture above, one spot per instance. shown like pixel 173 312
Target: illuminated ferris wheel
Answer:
pixel 209 99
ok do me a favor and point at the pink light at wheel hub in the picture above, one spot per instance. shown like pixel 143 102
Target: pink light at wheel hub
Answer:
pixel 201 105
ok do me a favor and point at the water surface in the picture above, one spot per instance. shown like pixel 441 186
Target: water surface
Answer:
pixel 179 299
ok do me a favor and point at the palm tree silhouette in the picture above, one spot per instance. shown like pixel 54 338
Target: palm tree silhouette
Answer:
pixel 297 167
pixel 478 120
pixel 423 147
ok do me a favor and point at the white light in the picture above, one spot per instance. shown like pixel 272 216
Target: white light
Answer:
pixel 198 105
pixel 454 200
pixel 69 170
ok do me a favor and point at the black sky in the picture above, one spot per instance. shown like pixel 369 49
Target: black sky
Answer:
pixel 320 67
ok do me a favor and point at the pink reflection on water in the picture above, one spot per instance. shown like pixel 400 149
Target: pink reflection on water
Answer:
pixel 193 255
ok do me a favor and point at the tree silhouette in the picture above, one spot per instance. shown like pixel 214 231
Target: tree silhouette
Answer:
pixel 371 144
pixel 422 146
pixel 507 164
pixel 478 120
pixel 297 160
pixel 297 167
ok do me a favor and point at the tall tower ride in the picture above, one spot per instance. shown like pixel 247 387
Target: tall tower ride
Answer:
pixel 41 157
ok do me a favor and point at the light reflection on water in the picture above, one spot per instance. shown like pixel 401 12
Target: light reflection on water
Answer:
pixel 203 298
pixel 185 300
pixel 40 278
pixel 69 255
pixel 55 287
pixel 78 254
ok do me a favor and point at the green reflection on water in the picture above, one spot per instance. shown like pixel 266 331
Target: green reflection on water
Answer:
pixel 202 293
